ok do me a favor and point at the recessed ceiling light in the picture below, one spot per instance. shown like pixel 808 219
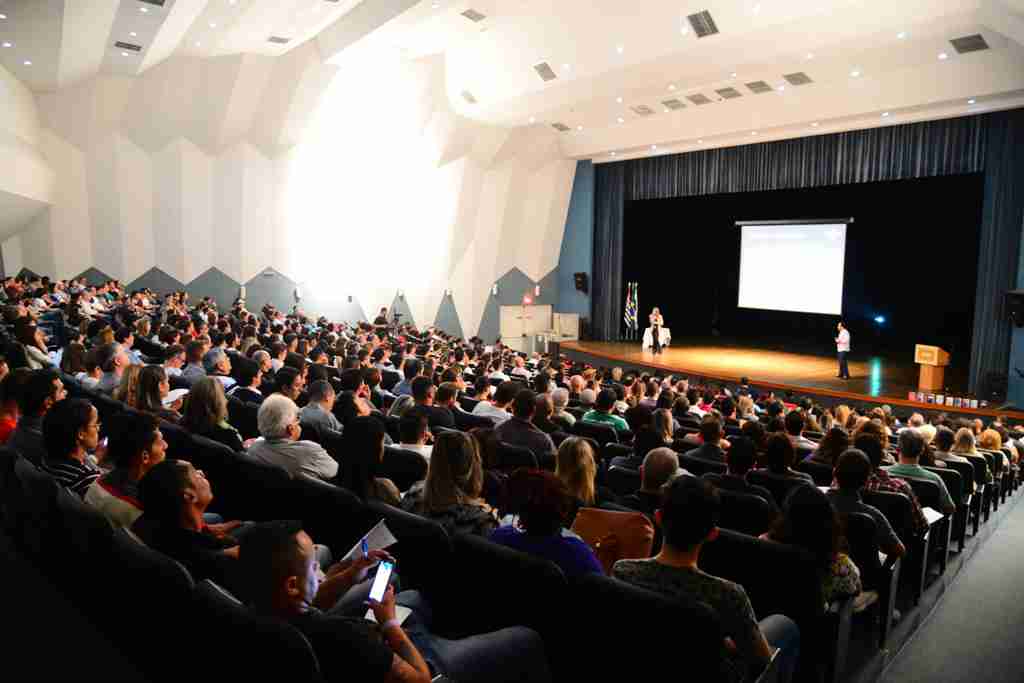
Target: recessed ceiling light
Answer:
pixel 700 142
pixel 654 147
pixel 27 62
pixel 684 29
pixel 666 110
pixel 781 88
pixel 810 55
pixel 620 49
pixel 815 124
pixel 622 120
pixel 436 5
pixel 143 9
pixel 533 119
pixel 757 8
pixel 753 132
pixel 133 34
pixel 566 67
pixel 579 127
pixel 855 73
pixel 124 54
pixel 733 74
pixel 198 44
pixel 885 114
pixel 213 25
pixel 232 2
pixel 901 35
pixel 970 101
pixel 613 153
pixel 672 86
pixel 943 55
pixel 6 44
pixel 3 16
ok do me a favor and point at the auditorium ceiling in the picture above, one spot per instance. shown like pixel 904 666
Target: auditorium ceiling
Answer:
pixel 617 79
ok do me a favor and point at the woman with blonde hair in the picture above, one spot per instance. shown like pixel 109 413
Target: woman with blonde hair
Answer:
pixel 451 493
pixel 206 413
pixel 143 328
pixel 963 444
pixel 990 440
pixel 842 414
pixel 745 409
pixel 576 467
pixel 128 390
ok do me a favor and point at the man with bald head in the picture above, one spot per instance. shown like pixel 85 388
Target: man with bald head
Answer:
pixel 660 466
pixel 576 385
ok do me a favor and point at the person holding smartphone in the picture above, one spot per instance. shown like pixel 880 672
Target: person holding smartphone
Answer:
pixel 280 561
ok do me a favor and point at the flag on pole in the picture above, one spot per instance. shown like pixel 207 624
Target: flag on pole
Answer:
pixel 629 314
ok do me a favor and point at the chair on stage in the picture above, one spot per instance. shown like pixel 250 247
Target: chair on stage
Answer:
pixel 665 338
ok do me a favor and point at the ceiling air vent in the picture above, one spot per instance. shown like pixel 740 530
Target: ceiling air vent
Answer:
pixel 642 110
pixel 560 127
pixel 128 46
pixel 468 96
pixel 673 104
pixel 729 93
pixel 280 40
pixel 702 23
pixel 545 71
pixel 699 99
pixel 758 87
pixel 158 3
pixel 969 43
pixel 798 78
pixel 473 15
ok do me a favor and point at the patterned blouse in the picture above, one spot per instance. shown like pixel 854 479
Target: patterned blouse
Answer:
pixel 843 580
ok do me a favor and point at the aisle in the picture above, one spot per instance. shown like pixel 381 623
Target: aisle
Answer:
pixel 974 635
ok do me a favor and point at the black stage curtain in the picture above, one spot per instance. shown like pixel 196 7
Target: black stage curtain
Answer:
pixel 986 143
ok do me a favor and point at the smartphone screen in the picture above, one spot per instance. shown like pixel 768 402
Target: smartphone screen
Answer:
pixel 380 582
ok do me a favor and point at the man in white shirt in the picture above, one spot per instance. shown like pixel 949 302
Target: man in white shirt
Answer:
pixel 843 348
pixel 413 435
pixel 497 409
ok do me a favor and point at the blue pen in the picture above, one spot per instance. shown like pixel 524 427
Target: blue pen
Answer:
pixel 366 548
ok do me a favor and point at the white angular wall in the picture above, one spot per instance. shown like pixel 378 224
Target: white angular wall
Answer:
pixel 245 163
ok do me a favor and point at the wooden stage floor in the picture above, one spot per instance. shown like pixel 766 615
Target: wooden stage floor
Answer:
pixel 872 378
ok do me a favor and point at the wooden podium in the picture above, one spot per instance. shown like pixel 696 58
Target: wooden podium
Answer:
pixel 933 362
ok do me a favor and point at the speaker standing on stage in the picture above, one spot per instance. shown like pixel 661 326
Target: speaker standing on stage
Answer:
pixel 656 324
pixel 843 348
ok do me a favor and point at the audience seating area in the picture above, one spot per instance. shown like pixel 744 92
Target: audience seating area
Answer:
pixel 593 628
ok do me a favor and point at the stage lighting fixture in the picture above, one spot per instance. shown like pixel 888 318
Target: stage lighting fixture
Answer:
pixel 880 319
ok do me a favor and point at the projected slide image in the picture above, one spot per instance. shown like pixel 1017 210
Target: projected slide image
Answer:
pixel 796 268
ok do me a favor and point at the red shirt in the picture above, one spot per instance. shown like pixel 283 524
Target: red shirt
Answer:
pixel 7 425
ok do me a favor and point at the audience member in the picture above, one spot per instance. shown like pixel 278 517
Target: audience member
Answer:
pixel 363 462
pixel 688 516
pixel 41 391
pixel 317 415
pixel 413 435
pixel 659 467
pixel 880 480
pixel 740 459
pixel 808 520
pixel 423 393
pixel 561 417
pixel 206 413
pixel 711 435
pixel 576 466
pixel 450 495
pixel 834 444
pixel 912 446
pixel 543 505
pixel 519 430
pixel 779 457
pixel 70 430
pixel 852 471
pixel 602 413
pixel 154 394
pixel 136 445
pixel 498 408
pixel 280 443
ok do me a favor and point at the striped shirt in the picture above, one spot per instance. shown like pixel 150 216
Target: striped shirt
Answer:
pixel 71 474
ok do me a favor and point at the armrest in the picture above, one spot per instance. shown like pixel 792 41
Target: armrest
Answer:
pixel 771 672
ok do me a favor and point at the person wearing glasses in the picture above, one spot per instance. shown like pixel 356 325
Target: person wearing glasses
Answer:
pixel 70 431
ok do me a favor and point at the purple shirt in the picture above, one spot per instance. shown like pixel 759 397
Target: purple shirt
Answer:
pixel 572 555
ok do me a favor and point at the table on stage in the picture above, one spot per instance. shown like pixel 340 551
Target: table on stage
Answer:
pixel 664 337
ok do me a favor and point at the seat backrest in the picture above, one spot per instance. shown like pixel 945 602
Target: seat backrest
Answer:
pixel 622 480
pixel 389 378
pixel 819 471
pixel 598 603
pixel 403 467
pixel 601 433
pixel 269 644
pixel 512 457
pixel 862 539
pixel 242 415
pixel 898 510
pixel 468 403
pixel 778 579
pixel 699 466
pixel 966 472
pixel 423 550
pixel 955 484
pixel 745 512
pixel 980 466
pixel 613 450
pixel 927 492
pixel 778 485
pixel 519 587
